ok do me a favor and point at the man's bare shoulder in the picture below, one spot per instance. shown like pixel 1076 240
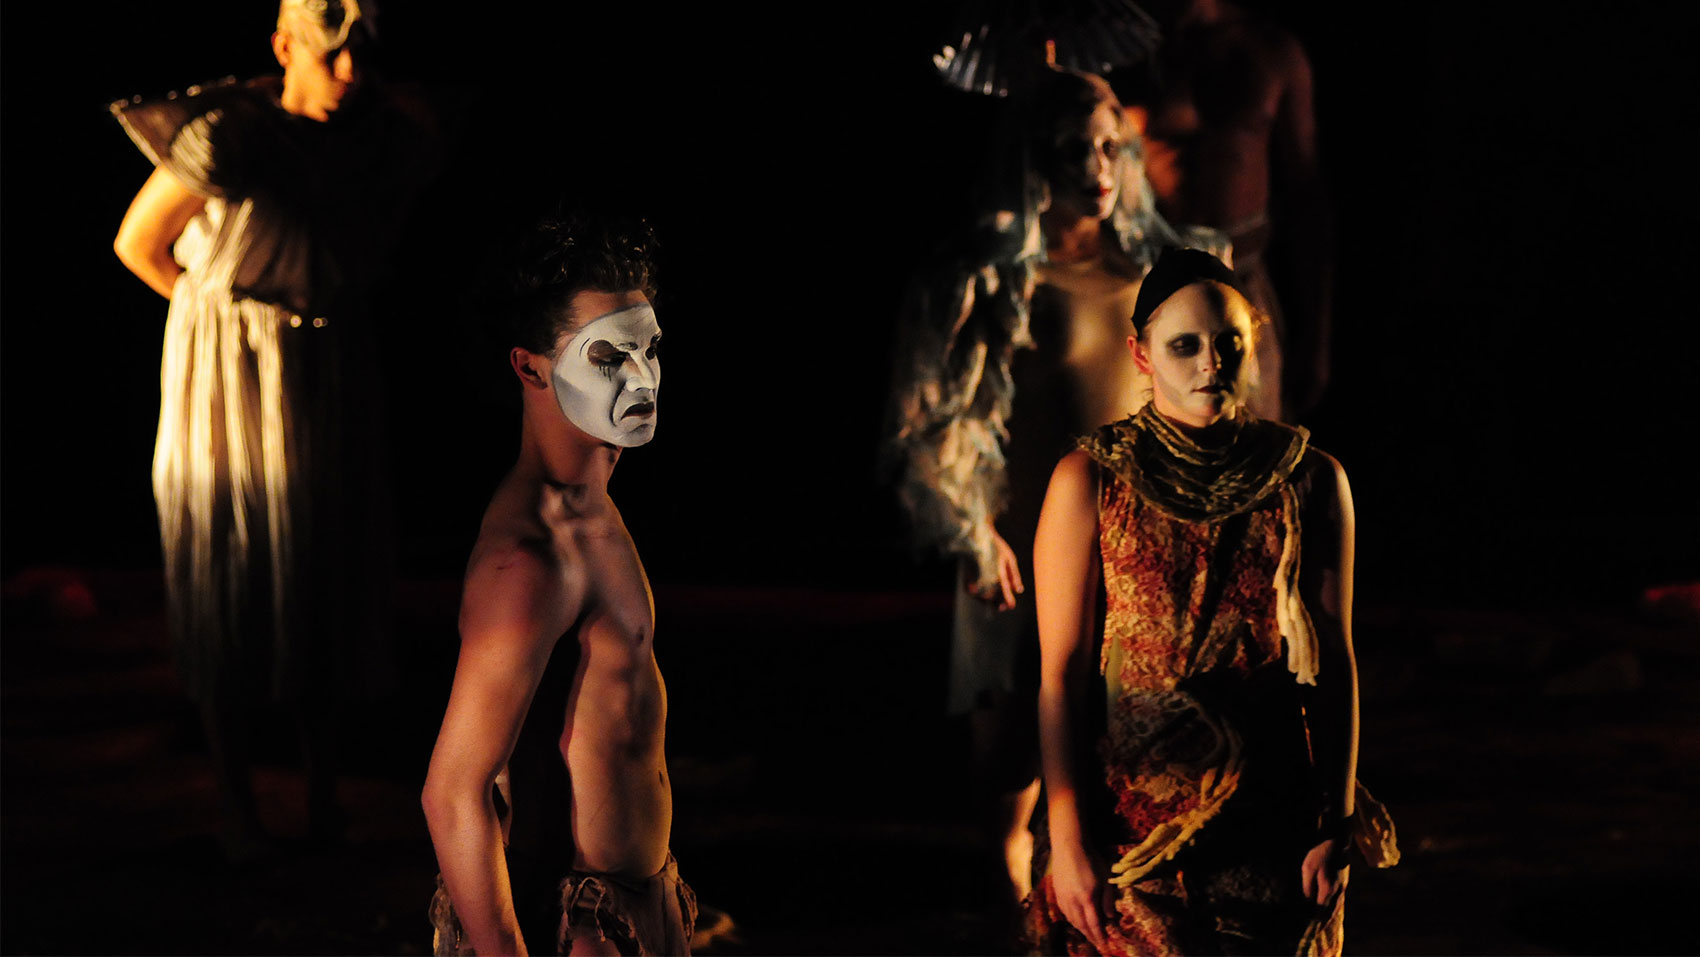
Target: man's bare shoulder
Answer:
pixel 517 588
pixel 1252 34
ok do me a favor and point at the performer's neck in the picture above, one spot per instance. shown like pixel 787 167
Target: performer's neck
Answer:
pixel 557 453
pixel 1077 241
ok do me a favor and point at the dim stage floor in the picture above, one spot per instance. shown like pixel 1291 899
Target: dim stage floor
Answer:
pixel 1541 768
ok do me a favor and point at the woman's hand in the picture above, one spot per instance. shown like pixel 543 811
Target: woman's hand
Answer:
pixel 1078 882
pixel 1324 871
pixel 1009 576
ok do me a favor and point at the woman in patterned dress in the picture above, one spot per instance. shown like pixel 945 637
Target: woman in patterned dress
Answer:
pixel 1199 753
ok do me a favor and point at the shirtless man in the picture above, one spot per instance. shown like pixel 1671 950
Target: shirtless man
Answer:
pixel 1230 140
pixel 553 739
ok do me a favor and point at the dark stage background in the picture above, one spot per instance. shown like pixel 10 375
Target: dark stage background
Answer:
pixel 1512 376
pixel 1513 210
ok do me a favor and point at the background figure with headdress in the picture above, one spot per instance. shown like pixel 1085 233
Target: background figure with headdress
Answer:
pixel 266 222
pixel 1003 361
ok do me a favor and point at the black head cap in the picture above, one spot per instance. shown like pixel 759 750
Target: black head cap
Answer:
pixel 1176 269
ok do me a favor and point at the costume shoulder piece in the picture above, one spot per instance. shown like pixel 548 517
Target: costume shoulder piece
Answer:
pixel 1198 480
pixel 197 134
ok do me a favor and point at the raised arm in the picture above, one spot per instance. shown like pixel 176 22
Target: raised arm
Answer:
pixel 1325 578
pixel 511 616
pixel 1065 581
pixel 157 216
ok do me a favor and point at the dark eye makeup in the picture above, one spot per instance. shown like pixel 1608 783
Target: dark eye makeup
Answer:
pixel 606 356
pixel 1188 345
pixel 1185 346
pixel 603 352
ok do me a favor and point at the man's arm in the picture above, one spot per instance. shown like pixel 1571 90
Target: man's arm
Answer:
pixel 512 613
pixel 1065 578
pixel 1305 223
pixel 156 217
pixel 1326 551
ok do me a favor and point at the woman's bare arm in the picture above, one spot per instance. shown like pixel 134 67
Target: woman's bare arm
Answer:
pixel 1326 556
pixel 511 617
pixel 1065 580
pixel 157 216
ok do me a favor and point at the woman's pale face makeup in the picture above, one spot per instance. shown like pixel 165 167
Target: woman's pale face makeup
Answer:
pixel 1090 159
pixel 607 373
pixel 1194 349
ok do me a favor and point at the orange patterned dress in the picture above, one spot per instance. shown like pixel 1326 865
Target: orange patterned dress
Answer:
pixel 1208 801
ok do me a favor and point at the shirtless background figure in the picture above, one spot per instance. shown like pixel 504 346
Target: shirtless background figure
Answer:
pixel 1230 132
pixel 553 738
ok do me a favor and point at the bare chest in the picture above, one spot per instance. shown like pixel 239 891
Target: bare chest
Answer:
pixel 1089 342
pixel 1218 89
pixel 616 619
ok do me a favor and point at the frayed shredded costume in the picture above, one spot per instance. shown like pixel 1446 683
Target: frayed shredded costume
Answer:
pixel 983 339
pixel 650 916
pixel 266 469
pixel 1208 801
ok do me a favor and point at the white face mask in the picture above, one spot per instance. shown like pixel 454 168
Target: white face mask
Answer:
pixel 607 375
pixel 1197 352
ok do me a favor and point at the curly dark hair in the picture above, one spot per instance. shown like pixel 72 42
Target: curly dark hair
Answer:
pixel 565 254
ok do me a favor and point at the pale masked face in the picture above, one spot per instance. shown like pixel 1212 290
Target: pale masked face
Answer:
pixel 1086 180
pixel 607 373
pixel 1194 349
